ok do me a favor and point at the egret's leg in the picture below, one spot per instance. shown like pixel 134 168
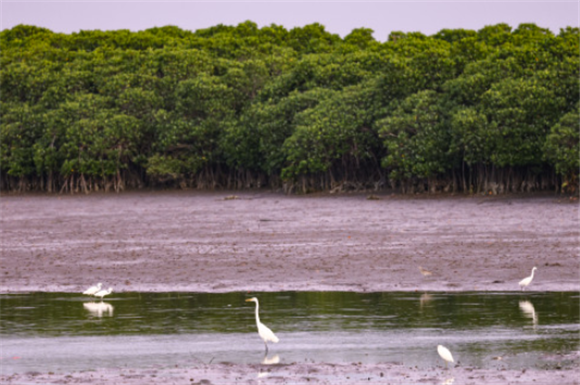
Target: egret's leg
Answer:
pixel 266 345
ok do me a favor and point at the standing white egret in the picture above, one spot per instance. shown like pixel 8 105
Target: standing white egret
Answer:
pixel 103 293
pixel 93 289
pixel 445 354
pixel 526 281
pixel 265 333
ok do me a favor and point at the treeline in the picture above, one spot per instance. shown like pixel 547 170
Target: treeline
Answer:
pixel 493 111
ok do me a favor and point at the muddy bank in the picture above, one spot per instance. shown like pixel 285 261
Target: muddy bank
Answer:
pixel 300 373
pixel 260 241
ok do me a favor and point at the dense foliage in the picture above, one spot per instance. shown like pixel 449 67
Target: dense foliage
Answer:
pixel 491 111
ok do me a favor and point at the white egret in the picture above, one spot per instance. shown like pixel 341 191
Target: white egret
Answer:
pixel 526 281
pixel 445 354
pixel 103 293
pixel 265 333
pixel 93 289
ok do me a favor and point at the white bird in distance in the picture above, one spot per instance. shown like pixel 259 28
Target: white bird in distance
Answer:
pixel 93 289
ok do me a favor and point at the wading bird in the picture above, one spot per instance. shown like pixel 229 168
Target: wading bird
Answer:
pixel 103 293
pixel 93 289
pixel 526 281
pixel 445 354
pixel 265 333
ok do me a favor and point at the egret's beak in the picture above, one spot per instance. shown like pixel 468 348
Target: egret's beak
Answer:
pixel 249 300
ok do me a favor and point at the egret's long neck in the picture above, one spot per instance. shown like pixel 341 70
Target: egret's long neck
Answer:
pixel 257 314
pixel 533 271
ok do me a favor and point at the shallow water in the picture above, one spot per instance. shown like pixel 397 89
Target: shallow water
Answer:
pixel 68 332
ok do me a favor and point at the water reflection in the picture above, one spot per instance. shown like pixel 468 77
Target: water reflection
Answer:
pixel 51 314
pixel 272 360
pixel 328 327
pixel 529 311
pixel 268 360
pixel 98 309
pixel 448 381
pixel 425 299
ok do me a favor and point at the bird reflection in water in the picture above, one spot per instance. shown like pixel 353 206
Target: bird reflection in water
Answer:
pixel 424 299
pixel 98 309
pixel 448 381
pixel 529 311
pixel 273 360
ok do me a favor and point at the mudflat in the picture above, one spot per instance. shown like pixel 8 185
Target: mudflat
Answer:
pixel 261 241
pixel 300 373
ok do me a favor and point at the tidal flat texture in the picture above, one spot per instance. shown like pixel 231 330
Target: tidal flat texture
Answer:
pixel 219 242
pixel 259 241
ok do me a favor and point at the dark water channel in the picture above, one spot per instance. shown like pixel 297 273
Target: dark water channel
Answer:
pixel 69 332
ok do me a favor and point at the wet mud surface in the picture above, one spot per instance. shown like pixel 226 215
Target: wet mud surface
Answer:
pixel 207 242
pixel 301 373
pixel 259 241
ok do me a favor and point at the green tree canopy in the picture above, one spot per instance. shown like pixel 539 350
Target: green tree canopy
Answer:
pixel 244 106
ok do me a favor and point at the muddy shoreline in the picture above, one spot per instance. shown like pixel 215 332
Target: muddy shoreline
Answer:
pixel 262 241
pixel 301 373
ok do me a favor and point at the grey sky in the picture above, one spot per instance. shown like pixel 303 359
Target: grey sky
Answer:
pixel 339 17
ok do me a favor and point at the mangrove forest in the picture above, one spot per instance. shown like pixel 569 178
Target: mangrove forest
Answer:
pixel 237 107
